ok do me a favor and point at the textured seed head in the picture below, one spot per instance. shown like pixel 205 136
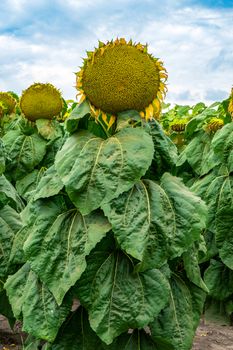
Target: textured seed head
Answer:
pixel 7 103
pixel 120 76
pixel 41 101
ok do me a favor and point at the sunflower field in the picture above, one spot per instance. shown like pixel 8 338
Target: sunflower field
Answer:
pixel 116 211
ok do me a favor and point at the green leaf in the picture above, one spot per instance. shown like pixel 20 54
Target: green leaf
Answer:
pixel 59 242
pixel 224 232
pixel 94 170
pixel 27 185
pixel 42 317
pixel 189 214
pixel 2 158
pixel 174 328
pixel 199 154
pixel 223 145
pixel 165 151
pixel 136 340
pixel 9 195
pixel 142 222
pixel 24 152
pixel 191 266
pixel 5 308
pixel 49 185
pixel 80 111
pixel 76 334
pixel 49 129
pixel 219 279
pixel 10 223
pixel 117 298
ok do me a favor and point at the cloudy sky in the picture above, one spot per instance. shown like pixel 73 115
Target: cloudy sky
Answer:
pixel 44 40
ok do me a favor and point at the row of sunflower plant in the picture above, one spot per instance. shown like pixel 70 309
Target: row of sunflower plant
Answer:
pixel 105 236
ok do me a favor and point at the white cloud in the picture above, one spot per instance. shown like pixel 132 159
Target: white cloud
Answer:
pixel 195 44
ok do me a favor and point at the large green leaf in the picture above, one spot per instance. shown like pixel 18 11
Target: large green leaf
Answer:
pixel 174 328
pixel 27 185
pixel 189 214
pixel 80 111
pixel 23 152
pixel 5 308
pixel 219 279
pixel 95 171
pixel 223 145
pixel 49 185
pixel 59 242
pixel 117 298
pixel 191 266
pixel 199 154
pixel 49 129
pixel 224 232
pixel 136 340
pixel 142 222
pixel 10 223
pixel 31 300
pixel 9 195
pixel 76 334
pixel 165 151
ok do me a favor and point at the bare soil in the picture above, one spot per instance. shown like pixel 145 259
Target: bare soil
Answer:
pixel 208 337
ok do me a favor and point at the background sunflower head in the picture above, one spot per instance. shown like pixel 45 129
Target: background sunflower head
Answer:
pixel 230 108
pixel 41 101
pixel 7 103
pixel 213 125
pixel 120 76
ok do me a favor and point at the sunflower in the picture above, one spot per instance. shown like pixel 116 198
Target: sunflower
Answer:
pixel 120 76
pixel 7 103
pixel 214 124
pixel 230 108
pixel 179 125
pixel 41 101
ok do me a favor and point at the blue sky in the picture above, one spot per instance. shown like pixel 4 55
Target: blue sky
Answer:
pixel 44 40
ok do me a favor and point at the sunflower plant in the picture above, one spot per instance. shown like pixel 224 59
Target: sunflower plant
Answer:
pixel 102 257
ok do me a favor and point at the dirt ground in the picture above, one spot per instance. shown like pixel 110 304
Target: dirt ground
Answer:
pixel 208 337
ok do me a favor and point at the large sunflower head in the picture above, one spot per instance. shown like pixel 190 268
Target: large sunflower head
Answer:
pixel 120 76
pixel 230 108
pixel 7 103
pixel 41 101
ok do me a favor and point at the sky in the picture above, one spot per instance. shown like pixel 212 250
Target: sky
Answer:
pixel 45 41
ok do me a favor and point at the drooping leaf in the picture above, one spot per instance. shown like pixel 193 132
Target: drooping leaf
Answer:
pixel 34 303
pixel 191 266
pixel 174 328
pixel 2 158
pixel 76 334
pixel 165 151
pixel 10 223
pixel 9 195
pixel 223 145
pixel 199 154
pixel 5 308
pixel 49 129
pixel 136 340
pixel 224 230
pixel 59 242
pixel 94 170
pixel 219 279
pixel 117 298
pixel 27 185
pixel 23 152
pixel 49 185
pixel 142 222
pixel 80 111
pixel 189 214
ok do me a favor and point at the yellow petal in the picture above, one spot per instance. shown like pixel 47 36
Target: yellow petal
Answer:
pixel 122 41
pixel 142 114
pixel 160 96
pixel 104 117
pixel 157 105
pixel 111 121
pixel 83 98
